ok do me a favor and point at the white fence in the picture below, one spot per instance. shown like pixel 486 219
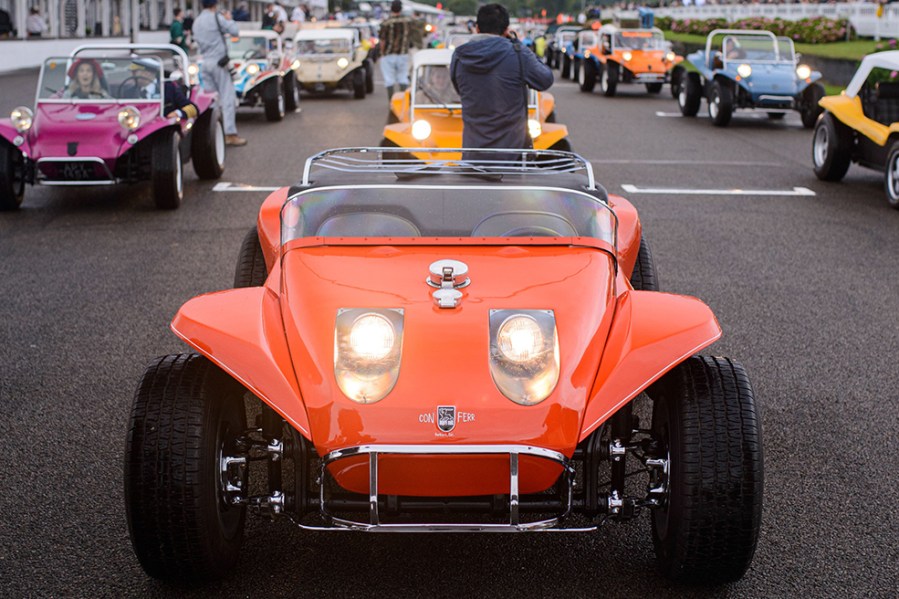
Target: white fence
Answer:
pixel 861 15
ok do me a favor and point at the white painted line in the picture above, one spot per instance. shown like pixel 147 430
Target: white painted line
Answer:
pixel 796 191
pixel 704 115
pixel 691 162
pixel 226 186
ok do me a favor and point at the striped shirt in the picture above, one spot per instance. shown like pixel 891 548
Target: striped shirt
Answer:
pixel 396 35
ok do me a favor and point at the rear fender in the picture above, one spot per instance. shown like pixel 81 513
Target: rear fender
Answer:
pixel 202 99
pixel 651 333
pixel 242 332
pixel 630 232
pixel 550 134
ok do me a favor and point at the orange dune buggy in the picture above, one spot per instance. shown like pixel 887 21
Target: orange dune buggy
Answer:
pixel 614 55
pixel 444 347
pixel 429 113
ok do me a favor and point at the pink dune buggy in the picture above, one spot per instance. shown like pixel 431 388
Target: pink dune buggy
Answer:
pixel 113 114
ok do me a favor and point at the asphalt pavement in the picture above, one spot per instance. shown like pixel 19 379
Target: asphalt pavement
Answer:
pixel 801 275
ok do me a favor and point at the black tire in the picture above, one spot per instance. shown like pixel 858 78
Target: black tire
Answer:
pixel 831 148
pixel 677 76
pixel 689 95
pixel 776 116
pixel 721 103
pixel 186 415
pixel 705 420
pixel 891 176
pixel 168 172
pixel 291 92
pixel 251 270
pixel 809 109
pixel 551 117
pixel 273 100
pixel 359 83
pixel 644 277
pixel 653 88
pixel 566 67
pixel 207 145
pixel 386 143
pixel 608 79
pixel 575 69
pixel 391 117
pixel 369 78
pixel 587 76
pixel 12 177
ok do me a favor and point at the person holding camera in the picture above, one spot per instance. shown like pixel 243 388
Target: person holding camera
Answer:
pixel 492 73
pixel 209 31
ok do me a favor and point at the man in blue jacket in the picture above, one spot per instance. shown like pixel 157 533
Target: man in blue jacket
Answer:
pixel 492 73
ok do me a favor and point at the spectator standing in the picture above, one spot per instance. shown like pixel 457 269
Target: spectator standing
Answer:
pixel 6 27
pixel 492 73
pixel 177 35
pixel 34 24
pixel 298 15
pixel 396 37
pixel 271 19
pixel 209 31
pixel 241 13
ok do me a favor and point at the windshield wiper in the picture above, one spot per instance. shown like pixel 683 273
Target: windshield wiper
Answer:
pixel 424 90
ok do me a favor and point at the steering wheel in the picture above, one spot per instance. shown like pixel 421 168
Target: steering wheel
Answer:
pixel 135 82
pixel 533 231
pixel 252 53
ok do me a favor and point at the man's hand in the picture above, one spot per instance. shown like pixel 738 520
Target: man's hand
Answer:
pixel 175 114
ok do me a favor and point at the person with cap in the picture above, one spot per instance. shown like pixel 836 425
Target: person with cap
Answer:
pixel 144 83
pixel 209 31
pixel 396 37
pixel 492 73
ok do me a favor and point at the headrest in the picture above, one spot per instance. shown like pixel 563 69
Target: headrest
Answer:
pixel 888 90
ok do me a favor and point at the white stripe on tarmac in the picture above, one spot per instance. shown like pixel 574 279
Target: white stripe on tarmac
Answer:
pixel 796 191
pixel 691 162
pixel 226 186
pixel 703 115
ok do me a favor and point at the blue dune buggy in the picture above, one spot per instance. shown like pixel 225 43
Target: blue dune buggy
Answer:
pixel 747 70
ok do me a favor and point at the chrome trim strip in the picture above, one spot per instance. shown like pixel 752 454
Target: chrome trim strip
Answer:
pixel 88 159
pixel 776 98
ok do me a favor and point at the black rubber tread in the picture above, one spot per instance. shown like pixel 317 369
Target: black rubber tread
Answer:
pixel 776 116
pixel 551 117
pixel 171 483
pixel 708 531
pixel 725 95
pixel 690 95
pixel 644 277
pixel 369 77
pixel 168 186
pixel 610 71
pixel 272 100
pixel 653 88
pixel 890 177
pixel 676 76
pixel 839 152
pixel 251 270
pixel 587 77
pixel 202 145
pixel 291 92
pixel 566 67
pixel 811 110
pixel 12 177
pixel 386 143
pixel 359 83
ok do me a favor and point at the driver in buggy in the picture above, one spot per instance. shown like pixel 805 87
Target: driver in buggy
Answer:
pixel 86 81
pixel 436 86
pixel 144 83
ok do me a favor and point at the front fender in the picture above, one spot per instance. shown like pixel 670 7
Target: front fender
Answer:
pixel 242 332
pixel 651 333
pixel 7 131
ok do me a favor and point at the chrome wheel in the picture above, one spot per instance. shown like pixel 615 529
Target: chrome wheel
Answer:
pixel 892 177
pixel 219 144
pixel 820 143
pixel 604 80
pixel 713 106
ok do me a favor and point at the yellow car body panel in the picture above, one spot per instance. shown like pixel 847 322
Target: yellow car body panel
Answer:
pixel 849 112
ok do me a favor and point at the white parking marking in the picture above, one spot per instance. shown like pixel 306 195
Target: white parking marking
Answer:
pixel 703 115
pixel 740 163
pixel 796 191
pixel 226 186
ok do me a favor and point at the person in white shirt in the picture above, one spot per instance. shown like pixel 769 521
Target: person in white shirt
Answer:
pixel 298 15
pixel 34 24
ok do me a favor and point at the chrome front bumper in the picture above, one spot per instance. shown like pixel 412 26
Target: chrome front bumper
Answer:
pixel 374 524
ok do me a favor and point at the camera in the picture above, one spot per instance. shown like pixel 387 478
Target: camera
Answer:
pixel 223 61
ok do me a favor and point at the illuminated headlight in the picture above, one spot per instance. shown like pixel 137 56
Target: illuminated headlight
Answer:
pixel 744 70
pixel 429 28
pixel 803 71
pixel 627 56
pixel 193 69
pixel 367 350
pixel 534 128
pixel 670 57
pixel 129 118
pixel 343 63
pixel 524 354
pixel 252 69
pixel 295 64
pixel 21 118
pixel 421 130
pixel 586 53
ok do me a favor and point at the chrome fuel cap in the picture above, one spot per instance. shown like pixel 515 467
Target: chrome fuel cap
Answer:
pixel 448 274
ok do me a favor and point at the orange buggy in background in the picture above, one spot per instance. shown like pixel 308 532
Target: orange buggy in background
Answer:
pixel 445 346
pixel 614 55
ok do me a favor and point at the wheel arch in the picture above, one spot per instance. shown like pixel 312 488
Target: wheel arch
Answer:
pixel 651 333
pixel 241 332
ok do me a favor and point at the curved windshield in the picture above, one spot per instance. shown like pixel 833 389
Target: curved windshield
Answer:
pixel 433 87
pixel 640 40
pixel 250 47
pixel 750 48
pixel 87 79
pixel 324 46
pixel 446 211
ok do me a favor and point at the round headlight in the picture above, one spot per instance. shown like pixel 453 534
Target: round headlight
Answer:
pixel 343 63
pixel 534 128
pixel 627 56
pixel 803 71
pixel 744 70
pixel 421 130
pixel 519 339
pixel 21 118
pixel 586 53
pixel 372 337
pixel 295 64
pixel 129 118
pixel 670 56
pixel 252 68
pixel 193 69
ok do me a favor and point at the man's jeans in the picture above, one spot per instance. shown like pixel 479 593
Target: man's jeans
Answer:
pixel 395 69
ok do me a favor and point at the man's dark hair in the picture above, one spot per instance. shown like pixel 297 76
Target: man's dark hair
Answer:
pixel 493 18
pixel 396 6
pixel 176 11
